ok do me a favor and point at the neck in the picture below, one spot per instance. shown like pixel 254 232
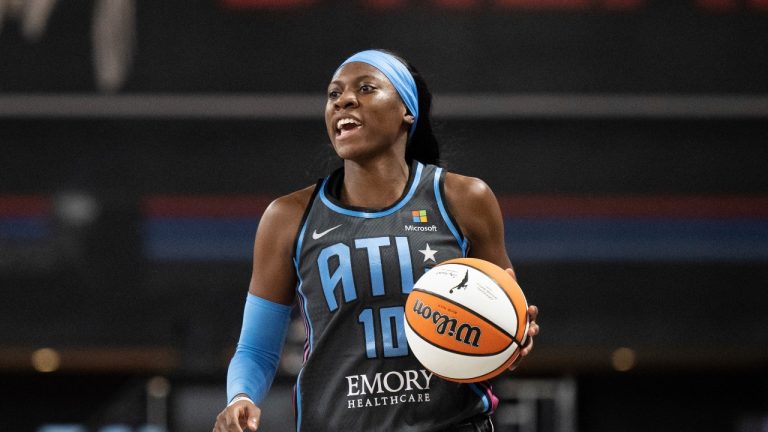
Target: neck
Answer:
pixel 374 184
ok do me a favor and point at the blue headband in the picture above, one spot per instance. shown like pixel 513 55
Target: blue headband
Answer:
pixel 397 73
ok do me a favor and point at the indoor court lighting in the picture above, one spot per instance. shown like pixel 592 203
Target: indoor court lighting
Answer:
pixel 623 359
pixel 46 360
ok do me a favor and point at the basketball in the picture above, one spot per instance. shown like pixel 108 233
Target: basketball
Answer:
pixel 466 319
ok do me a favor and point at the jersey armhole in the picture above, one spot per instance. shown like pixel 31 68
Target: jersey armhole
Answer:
pixel 439 186
pixel 300 231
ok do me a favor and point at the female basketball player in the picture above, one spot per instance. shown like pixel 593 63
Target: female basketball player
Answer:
pixel 351 248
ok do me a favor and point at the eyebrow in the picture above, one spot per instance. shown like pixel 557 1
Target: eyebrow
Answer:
pixel 360 78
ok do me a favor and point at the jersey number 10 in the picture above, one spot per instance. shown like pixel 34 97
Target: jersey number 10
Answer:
pixel 390 325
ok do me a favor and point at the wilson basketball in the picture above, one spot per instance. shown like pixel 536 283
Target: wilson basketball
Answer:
pixel 466 319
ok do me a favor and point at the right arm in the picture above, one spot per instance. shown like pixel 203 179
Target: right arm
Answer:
pixel 266 317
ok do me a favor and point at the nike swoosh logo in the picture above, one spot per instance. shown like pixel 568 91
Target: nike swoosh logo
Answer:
pixel 316 235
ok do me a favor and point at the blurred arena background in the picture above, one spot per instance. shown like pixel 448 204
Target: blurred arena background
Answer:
pixel 626 140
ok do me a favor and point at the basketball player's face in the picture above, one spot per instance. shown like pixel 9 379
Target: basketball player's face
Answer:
pixel 364 114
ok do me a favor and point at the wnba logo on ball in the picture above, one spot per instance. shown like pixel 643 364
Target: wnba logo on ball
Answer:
pixel 466 333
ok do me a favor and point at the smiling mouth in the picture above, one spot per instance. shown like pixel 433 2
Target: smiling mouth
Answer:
pixel 347 130
pixel 346 126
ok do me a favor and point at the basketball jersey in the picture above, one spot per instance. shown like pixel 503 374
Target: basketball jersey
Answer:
pixel 355 269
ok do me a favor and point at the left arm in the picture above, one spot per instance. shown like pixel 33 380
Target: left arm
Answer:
pixel 484 230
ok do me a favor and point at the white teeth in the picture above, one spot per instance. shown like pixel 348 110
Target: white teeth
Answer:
pixel 345 121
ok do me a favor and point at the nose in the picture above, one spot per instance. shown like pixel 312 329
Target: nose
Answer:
pixel 347 99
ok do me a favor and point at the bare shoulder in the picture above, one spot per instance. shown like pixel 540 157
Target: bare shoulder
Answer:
pixel 289 208
pixel 467 192
pixel 280 222
pixel 273 277
pixel 476 210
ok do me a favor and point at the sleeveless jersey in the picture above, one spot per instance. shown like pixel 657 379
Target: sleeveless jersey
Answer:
pixel 355 269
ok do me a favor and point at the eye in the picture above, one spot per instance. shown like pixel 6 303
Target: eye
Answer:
pixel 366 88
pixel 333 94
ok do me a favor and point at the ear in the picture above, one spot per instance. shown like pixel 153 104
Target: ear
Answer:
pixel 408 118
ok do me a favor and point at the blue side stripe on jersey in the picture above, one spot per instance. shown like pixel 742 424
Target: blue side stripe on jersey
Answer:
pixel 306 316
pixel 483 396
pixel 371 215
pixel 300 286
pixel 299 243
pixel 462 242
pixel 299 289
pixel 298 400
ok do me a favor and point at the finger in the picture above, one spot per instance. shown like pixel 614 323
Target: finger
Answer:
pixel 253 416
pixel 527 348
pixel 511 273
pixel 524 351
pixel 221 422
pixel 233 421
pixel 533 330
pixel 533 312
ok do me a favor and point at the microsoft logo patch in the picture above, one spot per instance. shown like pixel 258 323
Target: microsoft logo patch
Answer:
pixel 419 216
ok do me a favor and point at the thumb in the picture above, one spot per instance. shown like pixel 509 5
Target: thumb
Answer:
pixel 253 414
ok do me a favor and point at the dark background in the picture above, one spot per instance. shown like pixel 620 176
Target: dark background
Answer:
pixel 120 311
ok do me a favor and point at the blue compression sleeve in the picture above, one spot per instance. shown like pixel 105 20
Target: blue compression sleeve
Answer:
pixel 254 364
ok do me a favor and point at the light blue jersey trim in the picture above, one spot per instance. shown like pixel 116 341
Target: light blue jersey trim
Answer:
pixel 298 400
pixel 371 215
pixel 438 197
pixel 483 396
pixel 311 335
pixel 299 243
